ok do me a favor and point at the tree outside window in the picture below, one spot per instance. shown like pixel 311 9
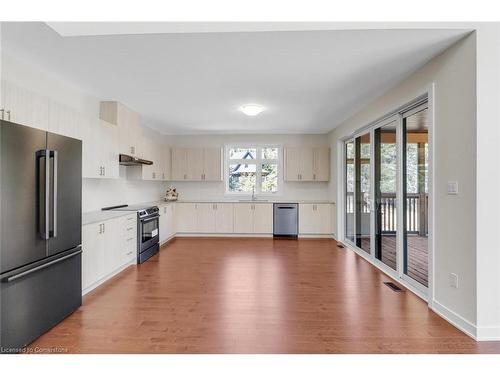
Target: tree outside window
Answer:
pixel 253 168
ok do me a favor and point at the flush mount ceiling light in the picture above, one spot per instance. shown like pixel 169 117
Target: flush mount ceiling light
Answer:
pixel 251 109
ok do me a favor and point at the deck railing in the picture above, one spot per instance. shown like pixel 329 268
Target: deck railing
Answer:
pixel 416 212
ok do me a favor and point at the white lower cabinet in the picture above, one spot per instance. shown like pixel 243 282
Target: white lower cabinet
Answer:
pixel 107 247
pixel 224 217
pixel 167 222
pixel 204 217
pixel 253 218
pixel 185 217
pixel 315 218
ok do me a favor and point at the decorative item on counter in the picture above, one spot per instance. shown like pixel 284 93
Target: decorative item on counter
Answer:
pixel 171 194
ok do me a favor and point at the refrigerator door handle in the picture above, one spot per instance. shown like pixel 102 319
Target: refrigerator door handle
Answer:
pixel 53 154
pixel 44 214
pixel 34 269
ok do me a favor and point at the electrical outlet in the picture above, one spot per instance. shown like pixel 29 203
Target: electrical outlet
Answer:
pixel 453 280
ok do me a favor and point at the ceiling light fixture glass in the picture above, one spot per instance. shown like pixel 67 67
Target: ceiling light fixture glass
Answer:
pixel 251 109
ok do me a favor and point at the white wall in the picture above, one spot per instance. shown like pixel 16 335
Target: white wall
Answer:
pixel 215 190
pixel 95 193
pixel 98 193
pixel 488 181
pixel 454 76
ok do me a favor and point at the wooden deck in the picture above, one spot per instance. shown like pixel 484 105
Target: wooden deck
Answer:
pixel 417 255
pixel 249 295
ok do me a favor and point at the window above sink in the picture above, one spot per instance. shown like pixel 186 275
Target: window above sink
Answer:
pixel 253 170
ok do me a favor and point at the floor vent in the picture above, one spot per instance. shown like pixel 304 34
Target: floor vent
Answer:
pixel 340 245
pixel 393 286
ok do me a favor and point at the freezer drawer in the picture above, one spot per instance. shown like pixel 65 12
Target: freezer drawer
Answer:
pixel 286 219
pixel 36 299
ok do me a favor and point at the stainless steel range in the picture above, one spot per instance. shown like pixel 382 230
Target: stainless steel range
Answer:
pixel 148 229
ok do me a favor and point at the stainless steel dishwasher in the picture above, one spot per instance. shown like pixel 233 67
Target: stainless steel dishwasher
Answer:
pixel 285 220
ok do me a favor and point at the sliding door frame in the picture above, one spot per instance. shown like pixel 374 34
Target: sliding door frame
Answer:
pixel 424 98
pixel 404 276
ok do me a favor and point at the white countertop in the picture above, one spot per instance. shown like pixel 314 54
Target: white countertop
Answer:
pixel 96 216
pixel 303 201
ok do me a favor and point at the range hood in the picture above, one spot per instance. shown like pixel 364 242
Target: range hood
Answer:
pixel 132 160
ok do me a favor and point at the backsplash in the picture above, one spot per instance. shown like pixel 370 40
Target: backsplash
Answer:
pixel 98 193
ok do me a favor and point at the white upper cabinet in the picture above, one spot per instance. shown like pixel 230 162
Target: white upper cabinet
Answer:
pixel 129 125
pixel 167 163
pixel 100 149
pixel 212 164
pixel 307 164
pixel 23 106
pixel 64 120
pixel 321 170
pixel 196 164
pixel 195 159
pixel 160 156
pixel 179 164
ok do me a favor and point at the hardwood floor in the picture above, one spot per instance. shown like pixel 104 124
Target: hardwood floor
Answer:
pixel 213 295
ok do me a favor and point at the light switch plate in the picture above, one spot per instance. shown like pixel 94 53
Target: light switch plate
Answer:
pixel 452 187
pixel 453 280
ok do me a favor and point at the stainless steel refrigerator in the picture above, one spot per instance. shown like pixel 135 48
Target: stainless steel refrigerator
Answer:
pixel 40 232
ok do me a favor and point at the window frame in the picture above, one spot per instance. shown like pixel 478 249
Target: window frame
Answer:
pixel 258 161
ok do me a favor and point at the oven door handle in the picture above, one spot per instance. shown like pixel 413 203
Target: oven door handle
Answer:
pixel 150 219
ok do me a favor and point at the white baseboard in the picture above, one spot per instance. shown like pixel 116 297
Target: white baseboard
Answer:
pixel 250 235
pixel 488 333
pixel 243 235
pixel 454 319
pixel 326 235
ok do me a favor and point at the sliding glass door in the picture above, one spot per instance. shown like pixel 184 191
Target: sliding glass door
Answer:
pixel 357 188
pixel 416 197
pixel 386 163
pixel 362 191
pixel 386 193
pixel 349 191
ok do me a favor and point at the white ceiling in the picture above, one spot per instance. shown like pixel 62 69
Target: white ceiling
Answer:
pixel 191 83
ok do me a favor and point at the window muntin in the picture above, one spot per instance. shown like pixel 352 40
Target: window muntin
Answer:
pixel 253 168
